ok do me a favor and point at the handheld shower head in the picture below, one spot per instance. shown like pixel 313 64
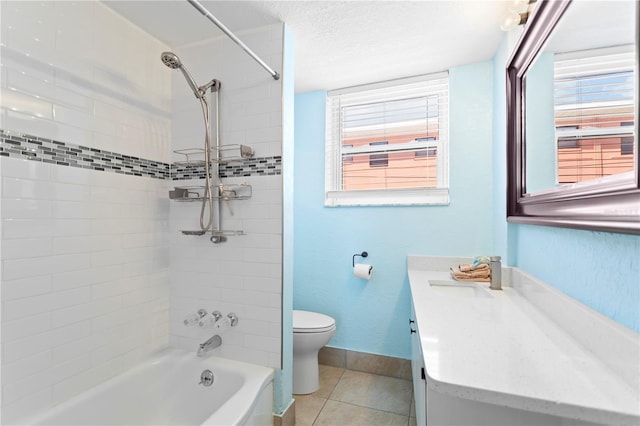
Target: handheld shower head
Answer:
pixel 171 60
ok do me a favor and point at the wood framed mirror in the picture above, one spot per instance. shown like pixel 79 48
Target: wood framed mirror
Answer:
pixel 572 117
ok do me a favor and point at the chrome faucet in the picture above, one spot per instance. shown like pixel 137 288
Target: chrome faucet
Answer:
pixel 496 273
pixel 204 348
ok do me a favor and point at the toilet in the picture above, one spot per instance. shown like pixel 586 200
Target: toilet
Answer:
pixel 311 331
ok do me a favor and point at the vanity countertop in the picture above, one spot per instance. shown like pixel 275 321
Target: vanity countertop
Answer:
pixel 528 347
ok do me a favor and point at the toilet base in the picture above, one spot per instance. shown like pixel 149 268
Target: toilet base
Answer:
pixel 306 373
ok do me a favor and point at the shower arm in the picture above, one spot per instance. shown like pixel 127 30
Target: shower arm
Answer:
pixel 232 36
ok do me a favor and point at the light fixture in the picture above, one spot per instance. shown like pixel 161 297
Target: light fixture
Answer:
pixel 518 14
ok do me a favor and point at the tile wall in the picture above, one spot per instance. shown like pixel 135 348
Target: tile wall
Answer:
pixel 89 116
pixel 244 274
pixel 85 250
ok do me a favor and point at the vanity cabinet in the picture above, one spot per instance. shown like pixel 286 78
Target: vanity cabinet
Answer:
pixel 417 372
pixel 517 357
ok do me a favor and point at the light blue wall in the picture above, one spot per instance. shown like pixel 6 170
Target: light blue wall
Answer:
pixel 600 269
pixel 373 316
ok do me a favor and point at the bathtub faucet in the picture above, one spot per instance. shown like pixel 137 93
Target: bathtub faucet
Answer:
pixel 214 342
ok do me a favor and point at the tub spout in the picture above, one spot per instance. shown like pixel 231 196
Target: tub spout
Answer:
pixel 204 348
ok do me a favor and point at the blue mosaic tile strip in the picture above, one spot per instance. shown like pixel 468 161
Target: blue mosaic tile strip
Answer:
pixel 23 146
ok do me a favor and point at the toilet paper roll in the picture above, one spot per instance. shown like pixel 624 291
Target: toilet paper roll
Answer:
pixel 362 270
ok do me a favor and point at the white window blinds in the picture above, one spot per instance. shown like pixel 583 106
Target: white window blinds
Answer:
pixel 388 138
pixel 594 97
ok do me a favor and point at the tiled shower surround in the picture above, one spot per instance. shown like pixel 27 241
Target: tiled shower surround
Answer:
pixel 95 273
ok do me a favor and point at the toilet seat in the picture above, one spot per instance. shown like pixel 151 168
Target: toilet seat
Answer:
pixel 312 322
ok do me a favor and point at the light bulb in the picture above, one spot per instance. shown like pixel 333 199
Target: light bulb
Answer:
pixel 520 6
pixel 512 20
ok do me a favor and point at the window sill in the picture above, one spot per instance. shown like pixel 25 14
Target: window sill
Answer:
pixel 388 197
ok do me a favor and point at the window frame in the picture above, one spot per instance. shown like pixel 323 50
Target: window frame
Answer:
pixel 335 151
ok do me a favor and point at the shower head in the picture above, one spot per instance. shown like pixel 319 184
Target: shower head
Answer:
pixel 171 60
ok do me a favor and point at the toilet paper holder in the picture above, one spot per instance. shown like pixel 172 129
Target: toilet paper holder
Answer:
pixel 353 259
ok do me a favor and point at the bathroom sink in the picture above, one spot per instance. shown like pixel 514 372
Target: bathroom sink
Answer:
pixel 460 288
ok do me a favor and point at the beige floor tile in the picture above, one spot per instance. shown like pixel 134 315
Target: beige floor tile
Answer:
pixel 372 391
pixel 337 413
pixel 307 409
pixel 329 377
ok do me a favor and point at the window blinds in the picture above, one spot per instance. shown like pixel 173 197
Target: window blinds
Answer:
pixel 390 135
pixel 594 97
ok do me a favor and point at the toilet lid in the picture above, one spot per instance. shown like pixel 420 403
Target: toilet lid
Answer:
pixel 311 322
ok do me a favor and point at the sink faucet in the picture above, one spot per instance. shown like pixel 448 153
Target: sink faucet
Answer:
pixel 496 273
pixel 204 348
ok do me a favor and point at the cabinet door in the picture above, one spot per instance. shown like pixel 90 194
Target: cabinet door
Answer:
pixel 417 371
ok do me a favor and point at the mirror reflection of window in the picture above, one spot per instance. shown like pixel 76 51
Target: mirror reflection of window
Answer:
pixel 594 113
pixel 581 100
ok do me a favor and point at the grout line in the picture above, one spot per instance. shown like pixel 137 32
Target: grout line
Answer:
pixel 315 419
pixel 365 407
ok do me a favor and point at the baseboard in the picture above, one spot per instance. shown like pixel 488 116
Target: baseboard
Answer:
pixel 365 362
pixel 288 417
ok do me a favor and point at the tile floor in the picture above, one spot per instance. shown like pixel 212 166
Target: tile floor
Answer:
pixel 348 397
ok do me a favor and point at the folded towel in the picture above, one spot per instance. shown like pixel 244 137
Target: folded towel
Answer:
pixel 467 267
pixel 479 275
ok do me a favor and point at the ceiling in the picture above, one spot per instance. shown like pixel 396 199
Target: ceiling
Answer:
pixel 341 43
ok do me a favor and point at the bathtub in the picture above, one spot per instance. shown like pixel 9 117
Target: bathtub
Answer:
pixel 165 391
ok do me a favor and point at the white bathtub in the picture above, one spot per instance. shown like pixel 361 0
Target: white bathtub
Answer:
pixel 165 391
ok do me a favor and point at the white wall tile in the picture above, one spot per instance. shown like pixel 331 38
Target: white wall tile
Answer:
pixel 25 248
pixel 13 372
pixel 32 286
pixel 27 324
pixel 71 236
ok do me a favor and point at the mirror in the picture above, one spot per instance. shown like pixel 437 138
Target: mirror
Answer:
pixel 572 95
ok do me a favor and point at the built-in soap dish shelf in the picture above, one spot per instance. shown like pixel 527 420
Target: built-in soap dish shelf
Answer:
pixel 195 157
pixel 241 191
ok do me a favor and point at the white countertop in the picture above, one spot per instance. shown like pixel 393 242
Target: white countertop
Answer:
pixel 511 348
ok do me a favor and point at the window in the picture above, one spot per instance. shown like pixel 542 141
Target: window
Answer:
pixel 428 151
pixel 387 143
pixel 378 160
pixel 594 112
pixel 626 143
pixel 347 158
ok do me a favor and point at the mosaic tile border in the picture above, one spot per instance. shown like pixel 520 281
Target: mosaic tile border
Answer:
pixel 262 166
pixel 28 147
pixel 18 145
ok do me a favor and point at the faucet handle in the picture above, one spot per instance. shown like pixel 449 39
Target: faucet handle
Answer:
pixel 216 315
pixel 193 318
pixel 233 319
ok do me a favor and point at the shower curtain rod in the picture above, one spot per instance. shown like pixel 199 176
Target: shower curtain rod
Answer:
pixel 232 36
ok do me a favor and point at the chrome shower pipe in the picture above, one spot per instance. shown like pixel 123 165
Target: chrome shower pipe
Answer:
pixel 215 168
pixel 232 36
